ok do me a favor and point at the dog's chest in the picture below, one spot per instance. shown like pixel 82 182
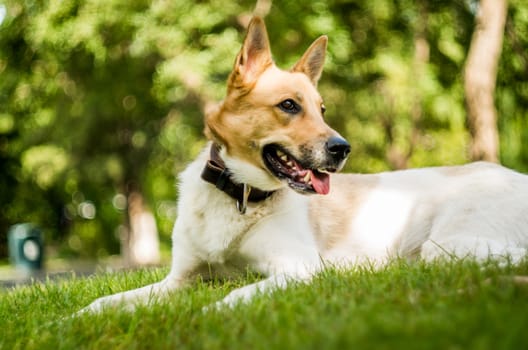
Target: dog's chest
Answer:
pixel 218 235
pixel 209 226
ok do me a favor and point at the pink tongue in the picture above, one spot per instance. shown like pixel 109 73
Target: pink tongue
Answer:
pixel 320 182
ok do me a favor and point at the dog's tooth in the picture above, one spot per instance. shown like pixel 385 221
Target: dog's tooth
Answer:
pixel 307 177
pixel 280 153
pixel 284 157
pixel 289 163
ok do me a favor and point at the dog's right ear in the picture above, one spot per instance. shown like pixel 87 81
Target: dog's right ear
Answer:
pixel 312 62
pixel 254 57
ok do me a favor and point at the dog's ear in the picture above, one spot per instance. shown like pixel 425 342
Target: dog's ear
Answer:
pixel 312 62
pixel 254 57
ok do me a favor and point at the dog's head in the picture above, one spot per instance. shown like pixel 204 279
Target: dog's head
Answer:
pixel 271 125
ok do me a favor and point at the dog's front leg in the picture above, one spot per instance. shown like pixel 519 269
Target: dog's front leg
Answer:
pixel 130 299
pixel 270 284
pixel 183 265
pixel 280 251
pixel 282 268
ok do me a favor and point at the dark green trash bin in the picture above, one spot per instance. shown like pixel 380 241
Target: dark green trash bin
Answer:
pixel 26 247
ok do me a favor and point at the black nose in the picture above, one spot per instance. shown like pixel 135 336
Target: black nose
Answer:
pixel 337 147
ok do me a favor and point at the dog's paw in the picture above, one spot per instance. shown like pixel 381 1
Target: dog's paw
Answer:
pixel 236 297
pixel 95 307
pixel 212 307
pixel 106 303
pixel 220 305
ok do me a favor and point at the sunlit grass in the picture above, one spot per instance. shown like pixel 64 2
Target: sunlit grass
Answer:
pixel 410 306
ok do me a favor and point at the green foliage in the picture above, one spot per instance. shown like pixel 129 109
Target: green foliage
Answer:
pixel 512 88
pixel 101 98
pixel 445 305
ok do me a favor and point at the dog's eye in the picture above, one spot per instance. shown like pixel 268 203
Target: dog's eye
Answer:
pixel 289 106
pixel 323 108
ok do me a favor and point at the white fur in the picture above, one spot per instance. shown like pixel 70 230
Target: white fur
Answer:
pixel 478 210
pixel 273 238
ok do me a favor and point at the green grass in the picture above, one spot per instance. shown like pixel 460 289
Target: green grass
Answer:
pixel 404 306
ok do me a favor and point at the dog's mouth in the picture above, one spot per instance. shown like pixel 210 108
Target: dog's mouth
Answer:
pixel 298 177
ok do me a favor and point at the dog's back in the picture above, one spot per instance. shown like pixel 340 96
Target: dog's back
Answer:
pixel 479 209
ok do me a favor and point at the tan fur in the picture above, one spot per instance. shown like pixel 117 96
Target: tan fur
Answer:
pixel 330 222
pixel 249 118
pixel 254 118
pixel 461 170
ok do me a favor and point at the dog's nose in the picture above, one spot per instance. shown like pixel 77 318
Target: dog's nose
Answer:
pixel 338 147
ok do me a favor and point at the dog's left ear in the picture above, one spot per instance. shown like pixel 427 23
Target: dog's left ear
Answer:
pixel 253 58
pixel 312 62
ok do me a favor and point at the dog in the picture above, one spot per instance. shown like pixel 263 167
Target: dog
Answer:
pixel 259 196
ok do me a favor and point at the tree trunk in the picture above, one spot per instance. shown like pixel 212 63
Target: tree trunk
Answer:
pixel 140 244
pixel 480 77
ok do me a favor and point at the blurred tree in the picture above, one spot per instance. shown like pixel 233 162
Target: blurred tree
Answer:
pixel 480 76
pixel 512 88
pixel 101 100
pixel 72 92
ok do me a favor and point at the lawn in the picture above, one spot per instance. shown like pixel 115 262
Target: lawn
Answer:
pixel 445 305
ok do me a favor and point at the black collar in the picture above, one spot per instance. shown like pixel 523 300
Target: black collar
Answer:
pixel 215 172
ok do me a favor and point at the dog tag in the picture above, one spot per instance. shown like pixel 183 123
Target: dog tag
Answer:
pixel 245 195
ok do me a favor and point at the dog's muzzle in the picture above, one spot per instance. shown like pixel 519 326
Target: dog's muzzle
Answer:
pixel 310 173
